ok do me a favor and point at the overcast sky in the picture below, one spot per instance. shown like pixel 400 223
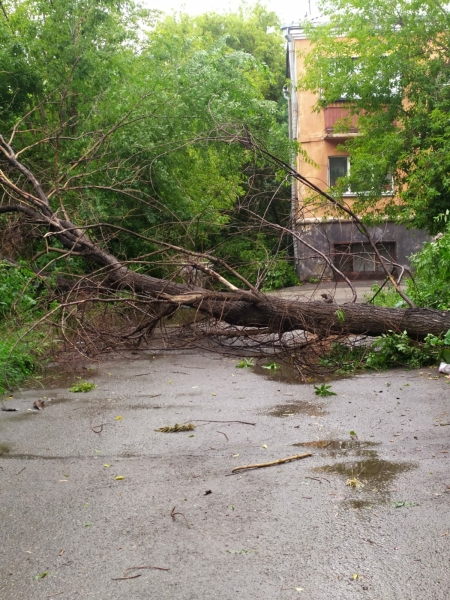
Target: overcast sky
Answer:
pixel 288 10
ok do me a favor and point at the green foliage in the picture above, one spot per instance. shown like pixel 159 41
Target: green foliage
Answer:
pixel 260 260
pixel 280 273
pixel 253 30
pixel 82 386
pixel 19 305
pixel 398 350
pixel 16 363
pixel 141 110
pixel 344 359
pixel 340 315
pixel 271 366
pixel 367 54
pixel 324 390
pixel 431 284
pixel 386 296
pixel 388 351
pixel 17 292
pixel 244 363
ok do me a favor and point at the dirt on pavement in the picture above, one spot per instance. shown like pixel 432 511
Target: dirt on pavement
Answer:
pixel 90 491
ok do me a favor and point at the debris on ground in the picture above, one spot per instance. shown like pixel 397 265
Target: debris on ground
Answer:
pixel 280 461
pixel 177 428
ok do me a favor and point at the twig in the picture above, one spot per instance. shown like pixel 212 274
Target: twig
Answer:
pixel 149 567
pixel 272 463
pixel 129 577
pixel 142 374
pixel 173 513
pixel 224 435
pixel 21 471
pixel 207 421
pixel 318 479
pixel 51 595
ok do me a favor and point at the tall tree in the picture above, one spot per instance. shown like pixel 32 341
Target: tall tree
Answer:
pixel 131 128
pixel 389 60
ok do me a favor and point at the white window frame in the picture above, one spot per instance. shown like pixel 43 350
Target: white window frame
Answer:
pixel 349 192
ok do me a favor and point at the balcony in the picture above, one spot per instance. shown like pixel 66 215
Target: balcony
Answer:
pixel 337 113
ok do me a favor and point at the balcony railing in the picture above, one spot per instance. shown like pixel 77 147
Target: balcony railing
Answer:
pixel 339 114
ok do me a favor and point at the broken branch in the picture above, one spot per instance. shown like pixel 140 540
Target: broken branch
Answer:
pixel 280 461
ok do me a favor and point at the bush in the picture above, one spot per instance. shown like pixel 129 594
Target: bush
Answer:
pixel 17 293
pixel 388 297
pixel 388 351
pixel 15 367
pixel 260 262
pixel 398 350
pixel 18 306
pixel 431 285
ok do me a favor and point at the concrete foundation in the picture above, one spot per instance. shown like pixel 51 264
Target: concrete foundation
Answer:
pixel 350 251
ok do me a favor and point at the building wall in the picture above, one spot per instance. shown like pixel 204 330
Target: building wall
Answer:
pixel 325 236
pixel 317 221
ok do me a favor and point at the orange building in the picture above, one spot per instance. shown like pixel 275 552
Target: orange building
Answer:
pixel 316 222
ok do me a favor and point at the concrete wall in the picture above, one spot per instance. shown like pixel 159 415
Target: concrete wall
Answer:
pixel 323 237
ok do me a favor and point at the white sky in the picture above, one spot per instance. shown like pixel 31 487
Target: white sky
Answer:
pixel 288 10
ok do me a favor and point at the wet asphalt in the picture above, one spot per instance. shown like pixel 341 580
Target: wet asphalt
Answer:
pixel 366 516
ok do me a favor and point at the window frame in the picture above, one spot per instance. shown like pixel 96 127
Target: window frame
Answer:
pixel 345 254
pixel 330 184
pixel 349 191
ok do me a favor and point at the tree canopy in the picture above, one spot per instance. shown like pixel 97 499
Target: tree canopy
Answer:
pixel 389 60
pixel 127 115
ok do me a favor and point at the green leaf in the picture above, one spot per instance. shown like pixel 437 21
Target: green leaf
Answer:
pixel 272 366
pixel 324 390
pixel 245 363
pixel 82 386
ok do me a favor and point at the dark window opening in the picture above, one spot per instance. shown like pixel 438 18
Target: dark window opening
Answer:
pixel 359 259
pixel 338 167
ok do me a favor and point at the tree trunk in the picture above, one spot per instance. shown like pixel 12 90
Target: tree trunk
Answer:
pixel 280 315
pixel 239 307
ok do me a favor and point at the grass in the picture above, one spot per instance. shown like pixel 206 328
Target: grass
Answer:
pixel 17 362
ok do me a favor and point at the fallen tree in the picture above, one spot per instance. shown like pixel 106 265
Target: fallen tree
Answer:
pixel 247 309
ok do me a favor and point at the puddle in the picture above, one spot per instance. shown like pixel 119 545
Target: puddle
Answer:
pixel 284 374
pixel 374 471
pixel 297 408
pixel 337 448
pixel 55 379
pixel 287 373
pixel 375 474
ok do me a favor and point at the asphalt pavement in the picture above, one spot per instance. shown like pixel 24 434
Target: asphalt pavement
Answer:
pixel 96 504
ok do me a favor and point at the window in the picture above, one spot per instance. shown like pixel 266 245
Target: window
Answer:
pixel 361 258
pixel 338 166
pixel 388 185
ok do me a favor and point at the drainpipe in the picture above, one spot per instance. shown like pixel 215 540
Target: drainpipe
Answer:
pixel 293 124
